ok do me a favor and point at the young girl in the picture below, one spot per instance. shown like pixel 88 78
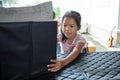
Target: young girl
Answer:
pixel 71 42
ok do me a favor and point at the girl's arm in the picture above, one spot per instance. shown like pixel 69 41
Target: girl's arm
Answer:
pixel 73 55
pixel 58 64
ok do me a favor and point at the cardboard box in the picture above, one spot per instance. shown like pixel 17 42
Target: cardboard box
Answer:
pixel 91 47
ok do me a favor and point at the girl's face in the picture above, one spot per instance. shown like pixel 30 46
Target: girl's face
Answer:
pixel 69 27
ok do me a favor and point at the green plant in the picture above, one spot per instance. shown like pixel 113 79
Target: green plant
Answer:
pixel 57 12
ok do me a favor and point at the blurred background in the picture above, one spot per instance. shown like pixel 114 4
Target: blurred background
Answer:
pixel 100 18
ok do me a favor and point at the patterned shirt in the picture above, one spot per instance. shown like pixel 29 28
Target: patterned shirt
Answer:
pixel 67 48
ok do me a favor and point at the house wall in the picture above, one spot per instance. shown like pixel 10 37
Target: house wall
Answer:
pixel 104 16
pixel 118 31
pixel 82 6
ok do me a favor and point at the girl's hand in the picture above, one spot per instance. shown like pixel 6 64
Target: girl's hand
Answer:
pixel 55 66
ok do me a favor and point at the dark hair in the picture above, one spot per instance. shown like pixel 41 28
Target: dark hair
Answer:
pixel 76 16
pixel 54 15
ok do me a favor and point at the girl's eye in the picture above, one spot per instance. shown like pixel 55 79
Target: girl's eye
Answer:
pixel 72 26
pixel 65 25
